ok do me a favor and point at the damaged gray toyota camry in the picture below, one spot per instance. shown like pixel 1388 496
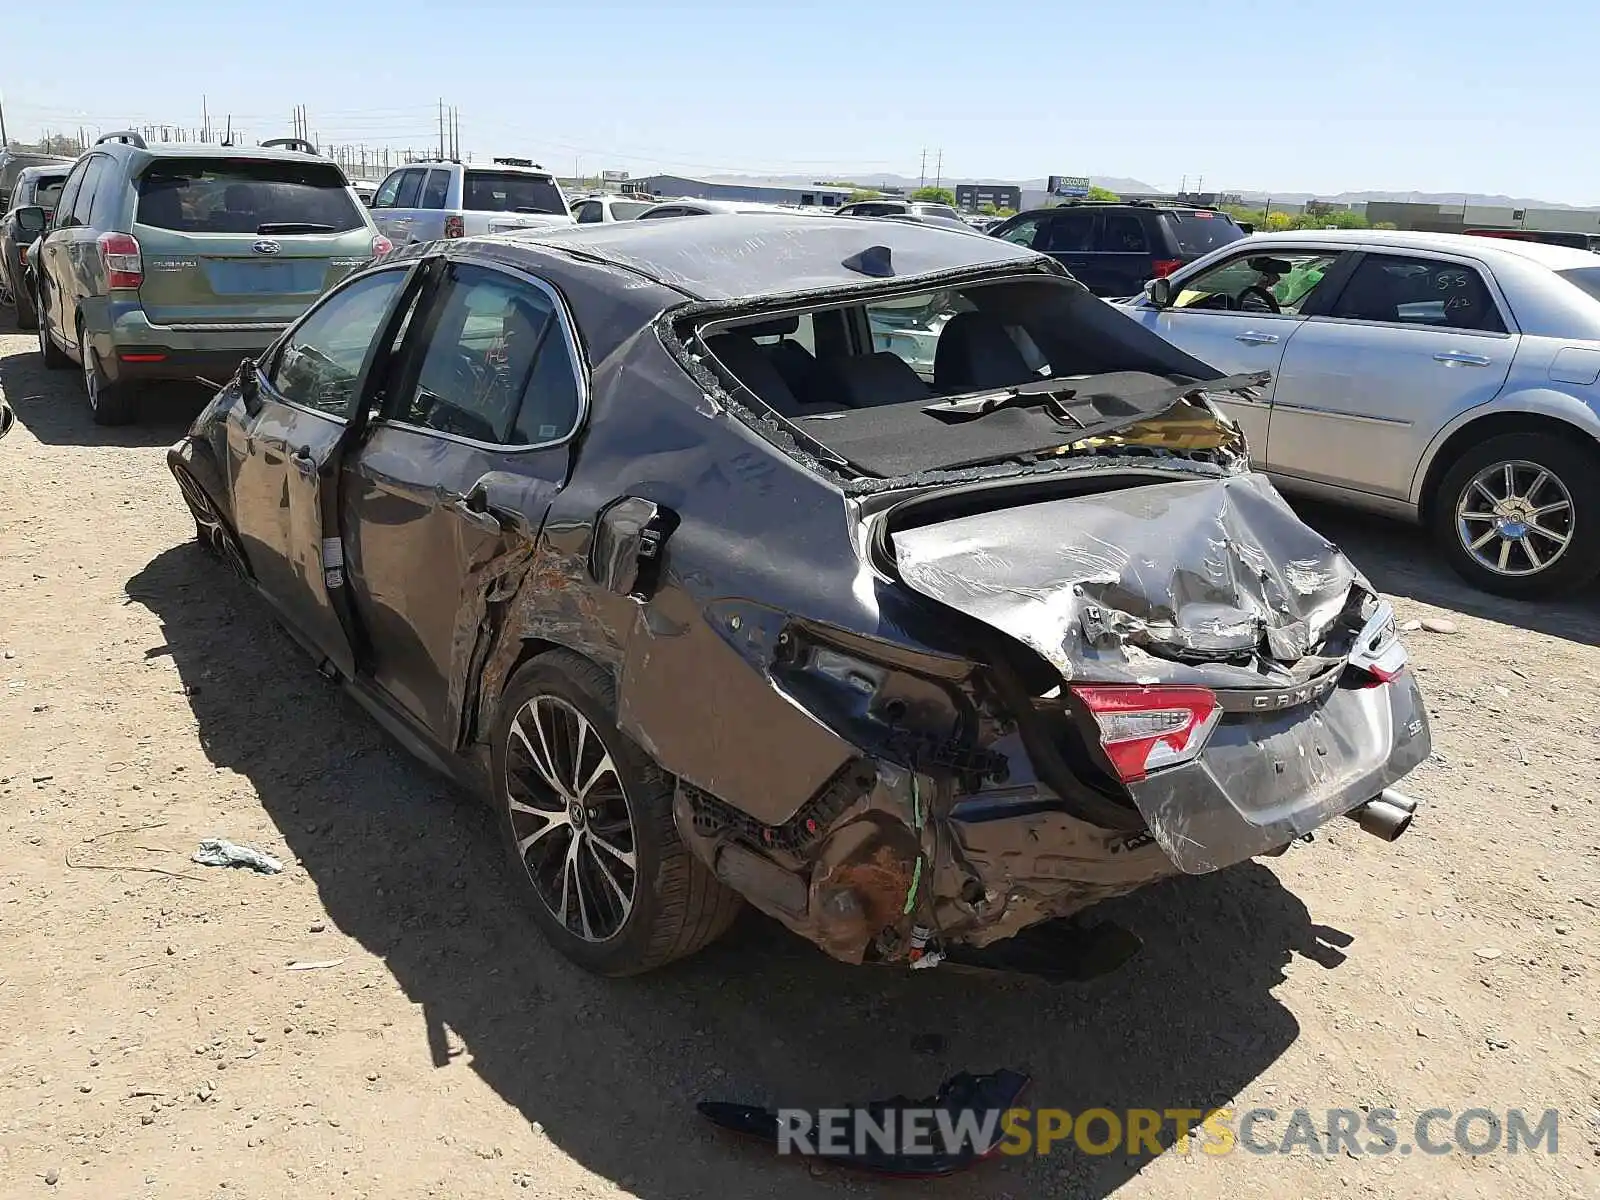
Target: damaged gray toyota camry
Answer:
pixel 876 575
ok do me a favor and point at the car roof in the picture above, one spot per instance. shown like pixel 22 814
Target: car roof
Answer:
pixel 752 255
pixel 1557 258
pixel 476 165
pixel 61 168
pixel 212 150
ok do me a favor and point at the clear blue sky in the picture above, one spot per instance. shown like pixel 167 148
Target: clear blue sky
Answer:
pixel 1404 94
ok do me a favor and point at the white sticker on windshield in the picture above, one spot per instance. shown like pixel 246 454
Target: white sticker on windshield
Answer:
pixel 332 553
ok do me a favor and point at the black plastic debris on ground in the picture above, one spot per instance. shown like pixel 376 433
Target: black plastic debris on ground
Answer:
pixel 900 1136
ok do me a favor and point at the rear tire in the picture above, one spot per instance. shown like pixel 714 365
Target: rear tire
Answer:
pixel 1519 515
pixel 109 403
pixel 55 358
pixel 674 906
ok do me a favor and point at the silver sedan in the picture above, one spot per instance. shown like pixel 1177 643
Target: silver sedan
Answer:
pixel 1443 378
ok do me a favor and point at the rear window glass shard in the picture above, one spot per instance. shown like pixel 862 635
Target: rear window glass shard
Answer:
pixel 511 191
pixel 952 378
pixel 206 195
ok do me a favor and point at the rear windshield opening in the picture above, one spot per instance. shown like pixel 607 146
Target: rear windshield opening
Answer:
pixel 511 191
pixel 966 376
pixel 49 193
pixel 244 195
pixel 1202 232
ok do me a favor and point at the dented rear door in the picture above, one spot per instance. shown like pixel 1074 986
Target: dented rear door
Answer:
pixel 443 503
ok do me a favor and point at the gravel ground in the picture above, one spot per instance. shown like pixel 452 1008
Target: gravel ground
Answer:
pixel 156 1043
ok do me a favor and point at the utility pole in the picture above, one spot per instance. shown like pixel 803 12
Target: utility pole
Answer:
pixel 441 127
pixel 938 170
pixel 4 141
pixel 205 120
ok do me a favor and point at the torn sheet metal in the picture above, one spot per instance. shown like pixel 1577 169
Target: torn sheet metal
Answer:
pixel 1205 581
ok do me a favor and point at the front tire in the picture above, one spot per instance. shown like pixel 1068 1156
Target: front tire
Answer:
pixel 1519 515
pixel 211 529
pixel 109 403
pixel 587 820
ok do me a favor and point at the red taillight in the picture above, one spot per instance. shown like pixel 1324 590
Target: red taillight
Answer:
pixel 381 245
pixel 1166 266
pixel 120 254
pixel 454 226
pixel 1146 728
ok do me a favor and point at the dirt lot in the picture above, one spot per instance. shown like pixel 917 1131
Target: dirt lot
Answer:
pixel 156 1045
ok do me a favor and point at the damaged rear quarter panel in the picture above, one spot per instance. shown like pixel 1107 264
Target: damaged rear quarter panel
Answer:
pixel 759 538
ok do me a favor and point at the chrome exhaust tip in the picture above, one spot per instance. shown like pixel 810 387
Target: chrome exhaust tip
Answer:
pixel 1383 819
pixel 1399 799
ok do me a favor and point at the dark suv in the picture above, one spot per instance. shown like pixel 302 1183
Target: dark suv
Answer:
pixel 1113 249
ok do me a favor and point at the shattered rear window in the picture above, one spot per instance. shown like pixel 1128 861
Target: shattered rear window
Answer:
pixel 954 378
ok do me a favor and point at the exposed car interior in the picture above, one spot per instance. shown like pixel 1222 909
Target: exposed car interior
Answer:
pixel 1041 366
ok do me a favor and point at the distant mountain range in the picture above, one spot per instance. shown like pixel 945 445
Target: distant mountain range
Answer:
pixel 1448 199
pixel 911 181
pixel 1135 187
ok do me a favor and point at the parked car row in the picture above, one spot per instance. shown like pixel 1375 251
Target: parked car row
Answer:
pixel 717 596
pixel 1439 378
pixel 38 188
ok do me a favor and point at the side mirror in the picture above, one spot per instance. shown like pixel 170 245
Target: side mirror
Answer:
pixel 31 220
pixel 250 386
pixel 1159 292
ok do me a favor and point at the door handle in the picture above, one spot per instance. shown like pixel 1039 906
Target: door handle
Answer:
pixel 1461 358
pixel 480 519
pixel 1251 338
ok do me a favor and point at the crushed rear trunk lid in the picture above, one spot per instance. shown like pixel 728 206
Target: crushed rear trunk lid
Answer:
pixel 1206 584
pixel 1211 581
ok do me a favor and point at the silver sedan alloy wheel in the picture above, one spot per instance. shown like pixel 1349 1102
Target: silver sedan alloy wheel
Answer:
pixel 571 818
pixel 1515 518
